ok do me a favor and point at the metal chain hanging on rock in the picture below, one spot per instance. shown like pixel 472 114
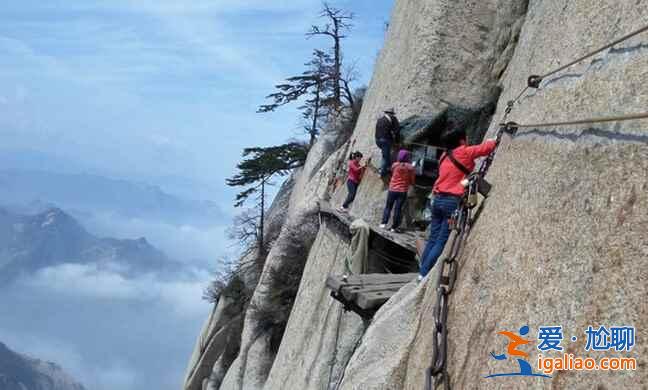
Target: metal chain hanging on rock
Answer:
pixel 463 219
pixel 461 222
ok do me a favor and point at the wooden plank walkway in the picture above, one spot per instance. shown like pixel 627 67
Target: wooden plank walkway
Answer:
pixel 364 294
pixel 406 239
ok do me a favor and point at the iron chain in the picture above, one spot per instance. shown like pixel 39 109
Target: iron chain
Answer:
pixel 437 373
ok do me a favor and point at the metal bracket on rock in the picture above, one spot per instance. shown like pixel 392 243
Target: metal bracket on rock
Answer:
pixel 534 81
pixel 510 128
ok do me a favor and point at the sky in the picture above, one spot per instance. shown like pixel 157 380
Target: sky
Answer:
pixel 146 89
pixel 158 91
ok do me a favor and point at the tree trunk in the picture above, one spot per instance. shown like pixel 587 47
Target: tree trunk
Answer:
pixel 261 222
pixel 316 108
pixel 337 64
pixel 348 94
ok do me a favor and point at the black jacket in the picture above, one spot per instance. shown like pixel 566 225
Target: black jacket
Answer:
pixel 388 129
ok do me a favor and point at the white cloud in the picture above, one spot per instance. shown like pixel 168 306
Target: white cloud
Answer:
pixel 84 280
pixel 103 75
pixel 183 297
pixel 185 243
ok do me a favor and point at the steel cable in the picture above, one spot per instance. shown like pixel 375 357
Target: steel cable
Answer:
pixel 592 53
pixel 535 80
pixel 436 373
pixel 618 118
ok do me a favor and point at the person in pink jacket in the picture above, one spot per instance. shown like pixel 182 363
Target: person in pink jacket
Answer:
pixel 403 176
pixel 356 171
pixel 448 190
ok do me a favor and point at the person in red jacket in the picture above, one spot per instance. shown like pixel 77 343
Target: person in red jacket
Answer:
pixel 448 190
pixel 356 171
pixel 403 176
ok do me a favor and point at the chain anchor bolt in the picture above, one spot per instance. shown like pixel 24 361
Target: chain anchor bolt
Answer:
pixel 534 81
pixel 510 128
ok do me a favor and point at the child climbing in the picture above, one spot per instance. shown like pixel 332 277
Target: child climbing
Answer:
pixel 403 176
pixel 356 171
pixel 448 190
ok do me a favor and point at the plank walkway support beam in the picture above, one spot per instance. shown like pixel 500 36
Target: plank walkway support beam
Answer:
pixel 406 239
pixel 364 294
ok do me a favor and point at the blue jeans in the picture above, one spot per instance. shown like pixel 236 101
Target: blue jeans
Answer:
pixel 352 187
pixel 394 200
pixel 385 146
pixel 443 207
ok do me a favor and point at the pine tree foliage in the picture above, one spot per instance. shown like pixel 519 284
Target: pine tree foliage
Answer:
pixel 261 164
pixel 325 84
pixel 338 23
pixel 316 76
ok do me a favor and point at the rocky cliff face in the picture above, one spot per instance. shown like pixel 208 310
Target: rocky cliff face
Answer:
pixel 563 236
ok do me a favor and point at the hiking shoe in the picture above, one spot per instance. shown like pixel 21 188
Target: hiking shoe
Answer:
pixel 383 226
pixel 343 210
pixel 419 278
pixel 395 230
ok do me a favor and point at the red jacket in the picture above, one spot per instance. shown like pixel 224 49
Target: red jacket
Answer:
pixel 355 171
pixel 450 177
pixel 403 176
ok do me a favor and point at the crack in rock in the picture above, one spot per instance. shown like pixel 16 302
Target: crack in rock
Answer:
pixel 629 49
pixel 565 76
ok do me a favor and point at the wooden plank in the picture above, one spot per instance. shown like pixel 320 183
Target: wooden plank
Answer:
pixel 374 299
pixel 406 239
pixel 373 287
pixel 371 279
pixel 337 283
pixel 351 293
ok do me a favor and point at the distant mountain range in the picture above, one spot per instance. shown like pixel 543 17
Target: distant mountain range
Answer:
pixel 32 242
pixel 85 193
pixel 19 372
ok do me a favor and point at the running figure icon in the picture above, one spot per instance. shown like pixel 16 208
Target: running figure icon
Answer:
pixel 514 342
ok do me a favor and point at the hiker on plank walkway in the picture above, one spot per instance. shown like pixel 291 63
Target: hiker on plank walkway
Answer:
pixel 403 176
pixel 387 135
pixel 356 171
pixel 448 191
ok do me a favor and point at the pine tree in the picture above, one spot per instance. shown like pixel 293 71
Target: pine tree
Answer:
pixel 255 172
pixel 338 23
pixel 315 83
pixel 324 84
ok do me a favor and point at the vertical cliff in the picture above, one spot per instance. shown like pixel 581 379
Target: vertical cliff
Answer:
pixel 563 236
pixel 564 239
